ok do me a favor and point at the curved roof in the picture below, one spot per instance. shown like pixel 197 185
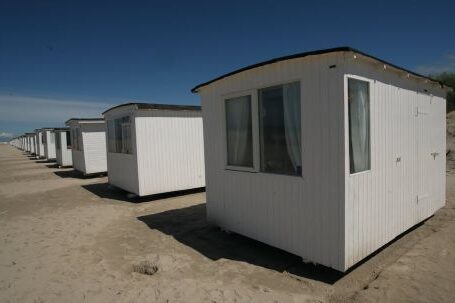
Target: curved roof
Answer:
pixel 154 106
pixel 312 53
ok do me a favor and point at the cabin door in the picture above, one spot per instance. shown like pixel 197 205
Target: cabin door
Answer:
pixel 430 157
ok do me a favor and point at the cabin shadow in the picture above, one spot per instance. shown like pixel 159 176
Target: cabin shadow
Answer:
pixel 55 165
pixel 189 226
pixel 108 191
pixel 72 173
pixel 44 161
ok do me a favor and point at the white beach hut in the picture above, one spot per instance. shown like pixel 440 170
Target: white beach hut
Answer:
pixel 31 143
pixel 155 148
pixel 63 147
pixel 30 147
pixel 88 142
pixel 48 136
pixel 26 143
pixel 328 154
pixel 39 143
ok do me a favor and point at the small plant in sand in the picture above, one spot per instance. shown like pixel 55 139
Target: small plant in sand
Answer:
pixel 145 268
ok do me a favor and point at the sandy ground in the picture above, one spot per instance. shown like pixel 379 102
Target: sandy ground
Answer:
pixel 64 238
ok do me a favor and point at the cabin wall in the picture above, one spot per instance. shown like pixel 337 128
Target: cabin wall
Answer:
pixel 122 168
pixel 302 215
pixel 170 151
pixel 40 144
pixel 94 147
pixel 49 147
pixel 63 154
pixel 78 160
pixel 405 184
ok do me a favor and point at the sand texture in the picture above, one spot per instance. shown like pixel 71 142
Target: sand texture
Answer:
pixel 66 238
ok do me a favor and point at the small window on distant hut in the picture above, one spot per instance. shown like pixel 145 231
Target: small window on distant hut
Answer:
pixel 239 132
pixel 279 129
pixel 359 125
pixel 43 138
pixel 52 137
pixel 68 139
pixel 119 135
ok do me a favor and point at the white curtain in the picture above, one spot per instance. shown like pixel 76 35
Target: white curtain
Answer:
pixel 359 125
pixel 238 122
pixel 292 125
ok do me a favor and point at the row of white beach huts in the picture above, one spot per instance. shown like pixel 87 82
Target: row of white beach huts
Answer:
pixel 328 154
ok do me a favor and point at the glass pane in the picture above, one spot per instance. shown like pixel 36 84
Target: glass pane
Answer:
pixel 68 139
pixel 111 136
pixel 280 129
pixel 359 125
pixel 239 132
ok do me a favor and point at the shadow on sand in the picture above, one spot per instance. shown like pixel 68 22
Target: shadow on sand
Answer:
pixel 44 161
pixel 107 191
pixel 73 173
pixel 55 165
pixel 189 226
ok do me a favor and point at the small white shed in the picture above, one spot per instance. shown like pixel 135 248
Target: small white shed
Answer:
pixel 48 137
pixel 328 154
pixel 63 147
pixel 88 145
pixel 30 143
pixel 39 143
pixel 155 148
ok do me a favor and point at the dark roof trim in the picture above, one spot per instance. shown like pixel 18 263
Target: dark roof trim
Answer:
pixel 154 106
pixel 84 119
pixel 312 53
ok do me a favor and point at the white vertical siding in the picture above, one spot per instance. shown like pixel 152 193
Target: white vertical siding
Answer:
pixel 32 144
pixel 40 150
pixel 170 153
pixel 384 202
pixel 78 160
pixel 94 147
pixel 122 171
pixel 303 215
pixel 63 154
pixel 122 168
pixel 49 146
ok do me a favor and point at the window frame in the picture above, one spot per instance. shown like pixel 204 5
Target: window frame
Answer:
pixel 112 131
pixel 346 123
pixel 254 93
pixel 254 122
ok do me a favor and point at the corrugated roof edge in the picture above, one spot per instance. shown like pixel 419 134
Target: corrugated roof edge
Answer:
pixel 155 106
pixel 313 53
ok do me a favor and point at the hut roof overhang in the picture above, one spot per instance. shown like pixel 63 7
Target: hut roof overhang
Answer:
pixel 321 52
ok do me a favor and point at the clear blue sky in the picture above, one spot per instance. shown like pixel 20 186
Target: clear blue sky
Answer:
pixel 80 57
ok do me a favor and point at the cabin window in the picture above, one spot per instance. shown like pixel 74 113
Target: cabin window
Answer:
pixel 43 138
pixel 68 139
pixel 239 135
pixel 280 129
pixel 359 125
pixel 119 135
